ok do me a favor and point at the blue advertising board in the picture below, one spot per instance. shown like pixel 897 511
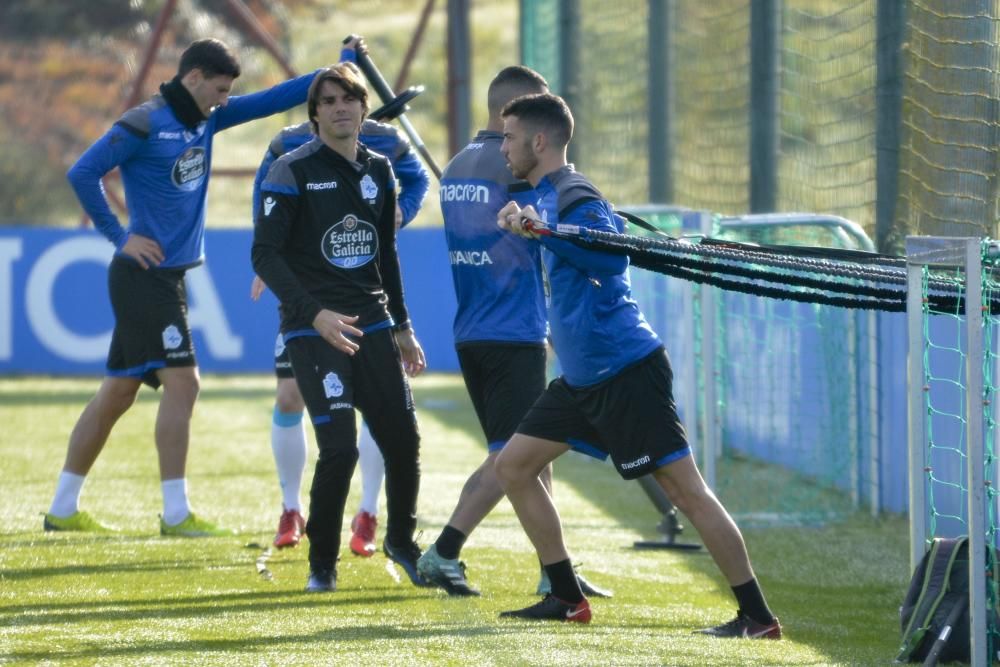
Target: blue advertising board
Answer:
pixel 55 317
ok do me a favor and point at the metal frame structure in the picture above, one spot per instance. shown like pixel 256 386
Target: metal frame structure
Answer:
pixel 922 253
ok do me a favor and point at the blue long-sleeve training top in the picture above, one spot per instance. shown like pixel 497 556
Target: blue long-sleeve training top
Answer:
pixel 165 167
pixel 497 275
pixel 597 327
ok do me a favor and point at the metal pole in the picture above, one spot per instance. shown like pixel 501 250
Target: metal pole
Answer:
pixel 976 458
pixel 459 76
pixel 250 22
pixel 569 65
pixel 385 93
pixel 709 417
pixel 765 31
pixel 411 51
pixel 875 441
pixel 660 107
pixel 853 406
pixel 917 434
pixel 890 24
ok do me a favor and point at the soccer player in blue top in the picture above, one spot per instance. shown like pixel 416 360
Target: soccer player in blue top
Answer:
pixel 164 151
pixel 288 438
pixel 500 324
pixel 615 395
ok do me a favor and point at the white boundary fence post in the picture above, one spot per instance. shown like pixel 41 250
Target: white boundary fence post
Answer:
pixel 915 403
pixel 966 253
pixel 976 459
pixel 710 414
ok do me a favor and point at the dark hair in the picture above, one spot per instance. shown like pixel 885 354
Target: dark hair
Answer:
pixel 546 113
pixel 511 82
pixel 347 76
pixel 211 56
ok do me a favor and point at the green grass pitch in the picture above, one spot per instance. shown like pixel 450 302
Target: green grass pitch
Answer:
pixel 135 598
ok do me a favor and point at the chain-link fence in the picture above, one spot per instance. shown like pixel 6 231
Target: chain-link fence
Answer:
pixel 884 112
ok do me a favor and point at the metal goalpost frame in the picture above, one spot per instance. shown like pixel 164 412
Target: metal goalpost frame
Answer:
pixel 921 253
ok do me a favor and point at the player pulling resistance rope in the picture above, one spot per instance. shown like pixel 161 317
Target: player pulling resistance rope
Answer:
pixel 615 396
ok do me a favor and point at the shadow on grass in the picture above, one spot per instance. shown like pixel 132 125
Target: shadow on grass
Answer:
pixel 105 569
pixel 255 644
pixel 195 607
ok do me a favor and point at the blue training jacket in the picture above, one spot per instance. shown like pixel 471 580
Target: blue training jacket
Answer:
pixel 165 168
pixel 497 275
pixel 378 137
pixel 597 327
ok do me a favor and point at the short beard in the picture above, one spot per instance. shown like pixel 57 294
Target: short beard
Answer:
pixel 522 171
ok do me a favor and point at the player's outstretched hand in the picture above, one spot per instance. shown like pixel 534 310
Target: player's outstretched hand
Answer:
pixel 411 353
pixel 143 250
pixel 335 329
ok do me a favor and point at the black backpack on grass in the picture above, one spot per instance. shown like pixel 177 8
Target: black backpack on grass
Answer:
pixel 938 597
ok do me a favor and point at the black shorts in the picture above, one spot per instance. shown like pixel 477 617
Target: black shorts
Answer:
pixel 631 416
pixel 504 380
pixel 282 363
pixel 151 328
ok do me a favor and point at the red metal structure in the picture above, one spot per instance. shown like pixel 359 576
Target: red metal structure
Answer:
pixel 250 25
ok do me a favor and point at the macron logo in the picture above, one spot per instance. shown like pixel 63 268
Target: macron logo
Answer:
pixel 635 464
pixel 330 185
pixel 465 192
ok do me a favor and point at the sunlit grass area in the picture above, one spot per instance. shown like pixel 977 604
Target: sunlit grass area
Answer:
pixel 136 598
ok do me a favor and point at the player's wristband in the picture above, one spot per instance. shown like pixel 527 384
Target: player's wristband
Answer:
pixel 402 326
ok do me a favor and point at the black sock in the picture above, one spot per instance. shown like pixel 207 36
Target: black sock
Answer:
pixel 449 543
pixel 751 601
pixel 564 583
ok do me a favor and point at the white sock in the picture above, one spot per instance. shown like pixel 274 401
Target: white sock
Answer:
pixel 372 470
pixel 67 499
pixel 288 443
pixel 175 501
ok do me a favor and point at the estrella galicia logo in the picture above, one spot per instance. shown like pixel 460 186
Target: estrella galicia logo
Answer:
pixel 350 243
pixel 279 345
pixel 189 169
